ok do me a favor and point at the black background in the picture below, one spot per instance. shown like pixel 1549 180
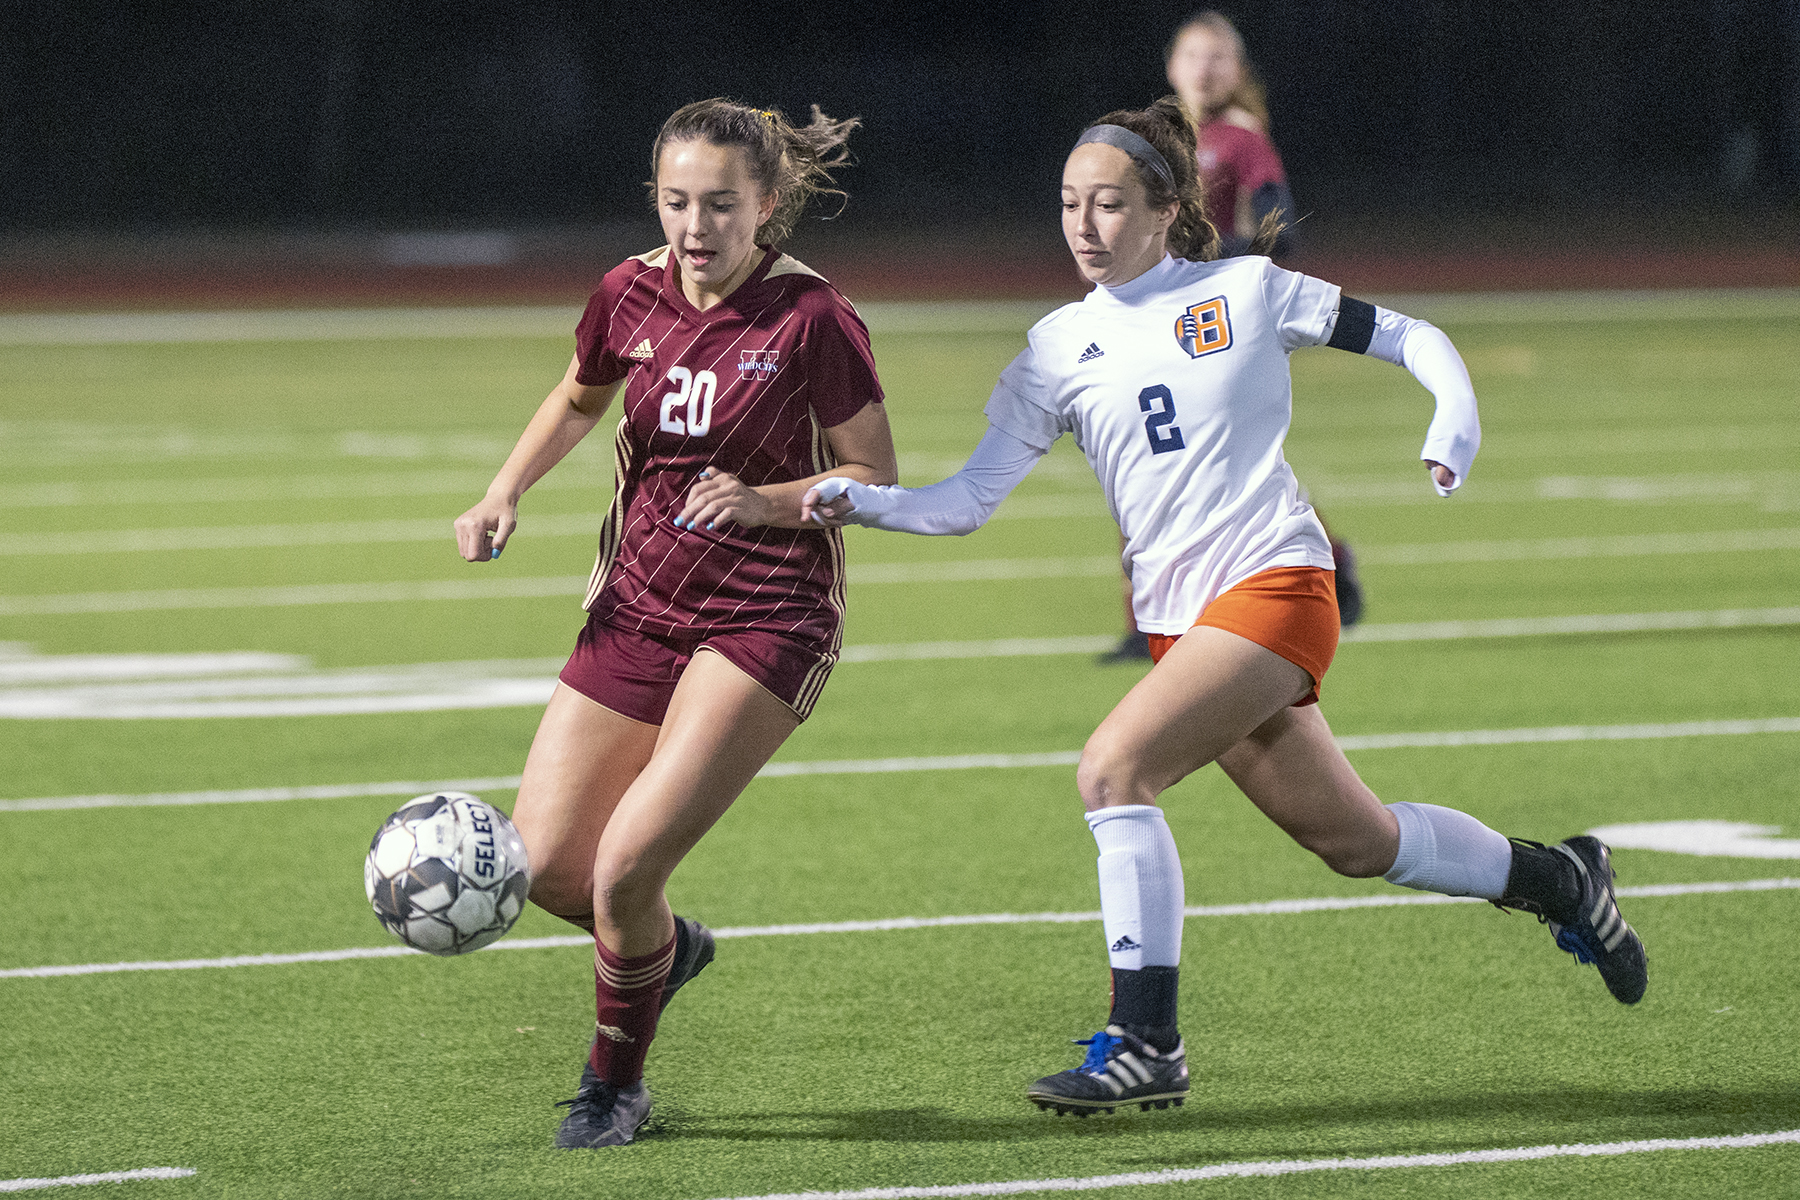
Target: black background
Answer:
pixel 345 114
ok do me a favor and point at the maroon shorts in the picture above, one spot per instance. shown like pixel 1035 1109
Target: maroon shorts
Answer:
pixel 634 673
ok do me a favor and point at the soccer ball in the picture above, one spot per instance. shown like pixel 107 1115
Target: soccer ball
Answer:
pixel 447 873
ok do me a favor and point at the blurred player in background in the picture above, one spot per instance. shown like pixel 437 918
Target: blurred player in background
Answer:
pixel 1173 376
pixel 1241 175
pixel 714 615
pixel 1246 192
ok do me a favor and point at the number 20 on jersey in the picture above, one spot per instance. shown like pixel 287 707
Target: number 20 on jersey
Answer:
pixel 694 390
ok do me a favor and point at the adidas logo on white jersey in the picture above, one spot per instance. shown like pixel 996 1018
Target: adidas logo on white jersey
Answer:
pixel 642 350
pixel 1091 353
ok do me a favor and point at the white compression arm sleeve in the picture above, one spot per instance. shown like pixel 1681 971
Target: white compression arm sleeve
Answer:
pixel 960 504
pixel 1423 349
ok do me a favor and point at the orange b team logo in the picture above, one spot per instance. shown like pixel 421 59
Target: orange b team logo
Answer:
pixel 1204 328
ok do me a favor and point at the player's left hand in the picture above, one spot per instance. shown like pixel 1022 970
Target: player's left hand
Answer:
pixel 719 498
pixel 1443 476
pixel 828 504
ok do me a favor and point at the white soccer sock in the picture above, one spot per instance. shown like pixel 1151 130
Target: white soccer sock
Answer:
pixel 1443 850
pixel 1141 893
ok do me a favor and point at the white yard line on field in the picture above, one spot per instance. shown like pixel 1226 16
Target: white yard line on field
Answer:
pixel 1267 908
pixel 1270 1169
pixel 949 762
pixel 1494 627
pixel 968 571
pixel 1771 491
pixel 160 686
pixel 1636 545
pixel 30 1185
pixel 253 537
pixel 936 318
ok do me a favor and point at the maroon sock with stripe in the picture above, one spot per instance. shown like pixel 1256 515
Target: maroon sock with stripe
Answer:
pixel 626 996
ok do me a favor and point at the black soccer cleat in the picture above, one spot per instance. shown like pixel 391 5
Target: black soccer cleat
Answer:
pixel 1597 933
pixel 602 1115
pixel 1121 1069
pixel 693 950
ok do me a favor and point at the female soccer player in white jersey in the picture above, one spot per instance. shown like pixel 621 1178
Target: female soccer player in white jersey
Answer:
pixel 1172 374
pixel 715 615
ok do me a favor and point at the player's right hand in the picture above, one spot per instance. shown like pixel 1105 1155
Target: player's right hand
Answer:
pixel 481 532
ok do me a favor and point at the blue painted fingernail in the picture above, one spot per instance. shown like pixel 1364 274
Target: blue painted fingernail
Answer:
pixel 493 554
pixel 709 524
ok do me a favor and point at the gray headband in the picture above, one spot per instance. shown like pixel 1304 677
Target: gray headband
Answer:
pixel 1121 138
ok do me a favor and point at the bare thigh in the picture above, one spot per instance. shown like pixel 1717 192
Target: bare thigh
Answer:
pixel 1292 770
pixel 1206 695
pixel 1220 697
pixel 720 729
pixel 582 760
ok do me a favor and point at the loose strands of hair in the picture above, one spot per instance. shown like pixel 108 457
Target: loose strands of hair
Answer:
pixel 794 162
pixel 1166 125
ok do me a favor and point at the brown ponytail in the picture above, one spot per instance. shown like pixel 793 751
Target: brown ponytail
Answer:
pixel 793 162
pixel 1165 125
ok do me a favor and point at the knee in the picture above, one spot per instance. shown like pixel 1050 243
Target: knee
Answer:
pixel 566 895
pixel 624 884
pixel 1109 775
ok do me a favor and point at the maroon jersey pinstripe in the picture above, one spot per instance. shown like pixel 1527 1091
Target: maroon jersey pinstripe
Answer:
pixel 748 386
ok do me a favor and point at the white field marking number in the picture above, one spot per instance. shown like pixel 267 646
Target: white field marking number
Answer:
pixel 1716 839
pixel 694 389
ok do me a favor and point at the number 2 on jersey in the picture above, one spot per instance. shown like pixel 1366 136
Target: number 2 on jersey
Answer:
pixel 694 389
pixel 1160 425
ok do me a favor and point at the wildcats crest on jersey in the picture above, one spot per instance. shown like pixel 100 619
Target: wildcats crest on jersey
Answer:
pixel 758 364
pixel 1204 328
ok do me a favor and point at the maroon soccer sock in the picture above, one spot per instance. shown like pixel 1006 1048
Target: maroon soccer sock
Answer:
pixel 626 995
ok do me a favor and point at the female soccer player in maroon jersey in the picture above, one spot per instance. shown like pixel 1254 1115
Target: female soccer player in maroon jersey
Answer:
pixel 714 615
pixel 1241 174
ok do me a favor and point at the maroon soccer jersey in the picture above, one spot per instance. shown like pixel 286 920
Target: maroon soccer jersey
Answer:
pixel 748 386
pixel 1234 162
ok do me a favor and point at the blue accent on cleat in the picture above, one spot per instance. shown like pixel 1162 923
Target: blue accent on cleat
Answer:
pixel 1598 934
pixel 1099 1049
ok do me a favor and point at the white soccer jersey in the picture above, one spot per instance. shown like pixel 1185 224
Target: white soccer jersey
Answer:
pixel 1176 387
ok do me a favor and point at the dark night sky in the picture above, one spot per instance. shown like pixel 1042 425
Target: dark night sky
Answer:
pixel 340 112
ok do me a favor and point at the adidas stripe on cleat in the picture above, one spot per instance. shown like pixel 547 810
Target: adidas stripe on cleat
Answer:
pixel 1121 1069
pixel 1598 934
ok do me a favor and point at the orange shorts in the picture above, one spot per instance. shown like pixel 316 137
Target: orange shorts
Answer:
pixel 1290 610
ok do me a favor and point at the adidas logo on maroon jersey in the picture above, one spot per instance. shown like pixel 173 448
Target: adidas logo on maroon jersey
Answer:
pixel 642 350
pixel 761 363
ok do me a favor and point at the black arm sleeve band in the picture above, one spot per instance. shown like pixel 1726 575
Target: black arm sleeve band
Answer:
pixel 1355 326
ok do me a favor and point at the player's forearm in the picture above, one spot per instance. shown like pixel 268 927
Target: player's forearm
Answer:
pixel 1427 352
pixel 1455 432
pixel 554 430
pixel 955 506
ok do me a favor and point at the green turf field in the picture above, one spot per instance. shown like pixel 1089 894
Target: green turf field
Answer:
pixel 292 497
